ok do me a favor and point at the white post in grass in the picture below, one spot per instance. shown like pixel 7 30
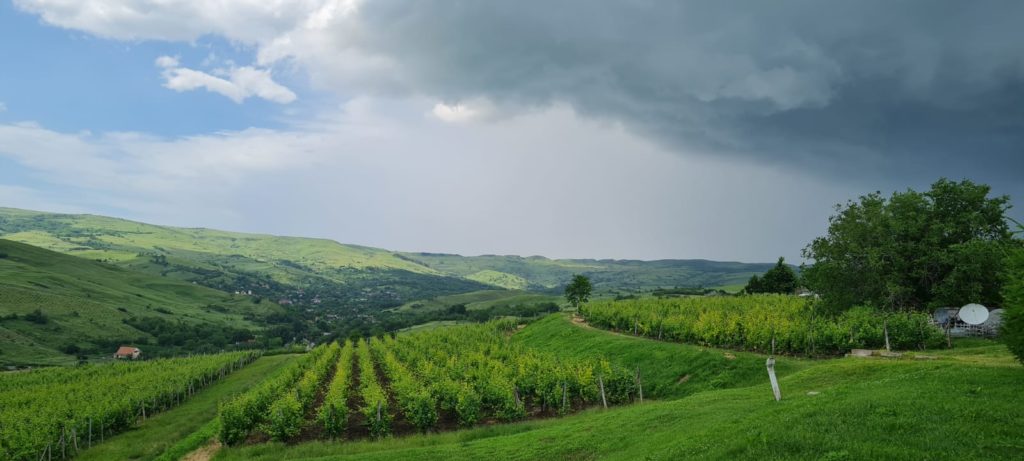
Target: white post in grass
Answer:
pixel 771 377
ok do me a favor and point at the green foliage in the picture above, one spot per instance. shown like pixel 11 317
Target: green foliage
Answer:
pixel 333 414
pixel 284 418
pixel 476 372
pixel 1013 308
pixel 36 407
pixel 60 300
pixel 37 316
pixel 844 409
pixel 416 401
pixel 375 401
pixel 913 250
pixel 548 275
pixel 780 279
pixel 578 290
pixel 243 413
pixel 752 322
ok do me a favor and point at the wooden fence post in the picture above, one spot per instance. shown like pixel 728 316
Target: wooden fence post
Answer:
pixel 600 382
pixel 885 329
pixel 639 384
pixel 770 363
pixel 565 395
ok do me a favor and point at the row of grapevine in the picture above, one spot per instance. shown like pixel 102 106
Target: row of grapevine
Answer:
pixel 474 371
pixel 416 401
pixel 240 415
pixel 333 414
pixel 285 415
pixel 375 400
pixel 45 411
pixel 753 322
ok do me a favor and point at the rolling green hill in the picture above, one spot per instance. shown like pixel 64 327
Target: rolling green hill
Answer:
pixel 480 300
pixel 54 306
pixel 540 273
pixel 299 270
pixel 347 276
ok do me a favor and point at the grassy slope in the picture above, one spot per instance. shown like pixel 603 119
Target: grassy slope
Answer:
pixel 83 300
pixel 480 300
pixel 291 259
pixel 347 277
pixel 606 274
pixel 120 240
pixel 160 432
pixel 662 364
pixel 964 405
pixel 500 279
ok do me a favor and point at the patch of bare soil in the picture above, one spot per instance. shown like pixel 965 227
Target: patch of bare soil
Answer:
pixel 204 453
pixel 356 427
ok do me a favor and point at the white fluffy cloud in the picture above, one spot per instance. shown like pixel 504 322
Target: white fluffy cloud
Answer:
pixel 831 87
pixel 408 181
pixel 589 104
pixel 238 84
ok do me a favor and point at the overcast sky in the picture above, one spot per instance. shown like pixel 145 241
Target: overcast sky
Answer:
pixel 629 129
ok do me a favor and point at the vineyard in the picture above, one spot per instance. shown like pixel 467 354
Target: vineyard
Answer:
pixel 57 412
pixel 420 382
pixel 754 322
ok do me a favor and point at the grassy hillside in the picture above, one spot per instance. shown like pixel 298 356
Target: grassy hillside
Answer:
pixel 480 300
pixel 299 270
pixel 607 275
pixel 669 370
pixel 961 404
pixel 84 304
pixel 349 275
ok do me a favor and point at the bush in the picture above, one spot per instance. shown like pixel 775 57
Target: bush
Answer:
pixel 284 420
pixel 1013 306
pixel 751 322
pixel 37 316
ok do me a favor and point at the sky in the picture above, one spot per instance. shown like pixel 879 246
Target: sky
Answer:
pixel 646 129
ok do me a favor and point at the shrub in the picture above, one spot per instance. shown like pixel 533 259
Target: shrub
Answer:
pixel 284 420
pixel 1013 298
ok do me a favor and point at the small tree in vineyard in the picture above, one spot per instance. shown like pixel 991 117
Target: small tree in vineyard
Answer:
pixel 780 279
pixel 578 291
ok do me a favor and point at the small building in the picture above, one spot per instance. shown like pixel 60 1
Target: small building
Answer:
pixel 127 352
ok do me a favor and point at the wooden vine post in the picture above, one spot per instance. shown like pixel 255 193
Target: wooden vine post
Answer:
pixel 565 397
pixel 885 328
pixel 600 382
pixel 639 384
pixel 770 363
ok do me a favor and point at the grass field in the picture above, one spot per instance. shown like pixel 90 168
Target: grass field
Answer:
pixel 165 430
pixel 962 404
pixel 669 370
pixel 84 300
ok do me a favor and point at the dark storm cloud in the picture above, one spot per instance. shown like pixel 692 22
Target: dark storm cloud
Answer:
pixel 899 89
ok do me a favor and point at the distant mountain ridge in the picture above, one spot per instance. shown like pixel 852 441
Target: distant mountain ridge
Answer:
pixel 233 261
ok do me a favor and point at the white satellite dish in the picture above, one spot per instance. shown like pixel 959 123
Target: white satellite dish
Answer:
pixel 973 314
pixel 995 318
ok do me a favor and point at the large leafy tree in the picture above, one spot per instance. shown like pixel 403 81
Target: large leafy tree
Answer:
pixel 913 250
pixel 779 279
pixel 1013 301
pixel 578 290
